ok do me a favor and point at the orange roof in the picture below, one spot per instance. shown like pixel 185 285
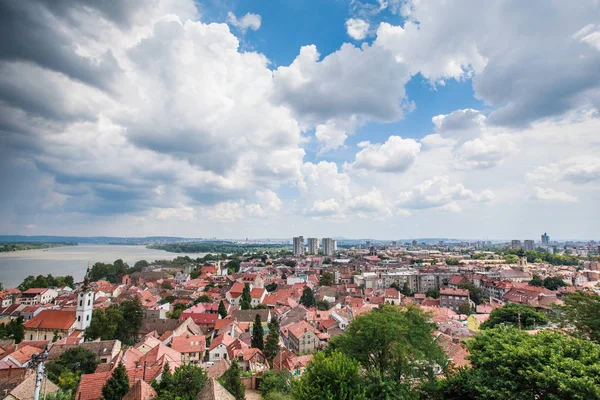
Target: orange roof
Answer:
pixel 299 328
pixel 189 344
pixel 223 339
pixel 140 391
pixel 454 292
pixel 35 291
pixel 257 293
pixel 24 354
pixel 52 320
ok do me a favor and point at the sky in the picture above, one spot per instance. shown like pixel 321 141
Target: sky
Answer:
pixel 271 119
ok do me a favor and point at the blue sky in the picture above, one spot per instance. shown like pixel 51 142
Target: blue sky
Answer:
pixel 357 118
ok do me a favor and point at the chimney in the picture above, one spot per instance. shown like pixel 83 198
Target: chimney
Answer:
pixel 144 373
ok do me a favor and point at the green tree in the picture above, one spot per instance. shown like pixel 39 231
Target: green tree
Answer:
pixel 233 266
pixel 465 308
pixel 232 382
pixel 117 385
pixel 66 369
pixel 203 299
pixel 166 285
pixel 475 293
pixel 323 305
pixel 553 283
pixel 536 281
pixel 326 279
pixel 395 346
pixel 405 290
pixel 222 310
pixel 13 329
pixel 60 395
pixel 177 310
pixel 246 301
pixel 184 384
pixel 257 340
pixel 510 364
pixel 518 315
pixel 433 293
pixel 271 287
pixel 580 314
pixel 104 323
pixel 308 298
pixel 272 343
pixel 275 382
pixel 330 377
pixel 452 261
pixel 133 316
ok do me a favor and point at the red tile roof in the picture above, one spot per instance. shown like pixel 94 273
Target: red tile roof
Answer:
pixel 189 344
pixel 52 320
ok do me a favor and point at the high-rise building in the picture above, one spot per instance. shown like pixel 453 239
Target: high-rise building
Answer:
pixel 515 244
pixel 299 246
pixel 313 245
pixel 328 246
pixel 394 244
pixel 368 244
pixel 545 239
pixel 528 245
pixel 414 243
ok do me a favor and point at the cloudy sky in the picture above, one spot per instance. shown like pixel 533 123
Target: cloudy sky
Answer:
pixel 360 118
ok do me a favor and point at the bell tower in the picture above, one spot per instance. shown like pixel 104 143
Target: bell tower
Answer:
pixel 85 304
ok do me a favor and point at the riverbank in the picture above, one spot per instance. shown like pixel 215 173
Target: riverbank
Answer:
pixel 10 247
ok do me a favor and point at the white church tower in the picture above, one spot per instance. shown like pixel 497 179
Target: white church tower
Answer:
pixel 85 305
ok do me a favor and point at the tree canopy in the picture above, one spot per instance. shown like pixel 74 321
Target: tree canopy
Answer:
pixel 232 382
pixel 326 279
pixel 246 300
pixel 518 315
pixel 42 281
pixel 116 322
pixel 66 369
pixel 258 341
pixel 580 312
pixel 183 384
pixel 117 385
pixel 308 298
pixel 510 364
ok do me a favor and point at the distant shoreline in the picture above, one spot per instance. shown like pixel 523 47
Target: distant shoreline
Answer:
pixel 14 247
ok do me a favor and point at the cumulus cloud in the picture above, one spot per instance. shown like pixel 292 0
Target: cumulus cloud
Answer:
pixel 551 195
pixel 578 170
pixel 510 53
pixel 439 192
pixel 249 21
pixel 395 155
pixel 357 28
pixel 330 136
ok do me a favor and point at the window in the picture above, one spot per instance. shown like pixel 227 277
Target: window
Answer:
pixel 80 303
pixel 89 302
pixel 79 318
pixel 87 318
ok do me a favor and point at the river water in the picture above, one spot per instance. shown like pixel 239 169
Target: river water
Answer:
pixel 73 260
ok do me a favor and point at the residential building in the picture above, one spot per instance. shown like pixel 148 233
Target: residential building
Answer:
pixel 313 245
pixel 453 298
pixel 328 246
pixel 528 245
pixel 546 239
pixel 106 350
pixel 34 296
pixel 191 348
pixel 299 246
pixel 515 244
pixel 301 337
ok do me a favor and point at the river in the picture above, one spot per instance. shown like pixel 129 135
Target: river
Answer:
pixel 73 260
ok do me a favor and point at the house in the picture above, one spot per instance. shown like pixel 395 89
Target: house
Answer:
pixel 234 295
pixel 453 298
pixel 456 280
pixel 250 315
pixel 214 391
pixel 295 364
pixel 204 320
pixel 34 296
pixel 191 348
pixel 106 350
pixel 22 356
pixel 49 323
pixel 251 359
pixel 181 278
pixel 257 295
pixel 301 337
pixel 515 275
pixel 392 296
pixel 25 389
pixel 218 347
pixel 172 327
pixel 141 391
pixel 6 299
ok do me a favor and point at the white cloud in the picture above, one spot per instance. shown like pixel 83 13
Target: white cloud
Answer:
pixel 330 136
pixel 182 213
pixel 438 192
pixel 551 195
pixel 322 208
pixel 269 199
pixel 582 171
pixel 357 28
pixel 226 211
pixel 486 152
pixel 589 34
pixel 248 21
pixel 395 155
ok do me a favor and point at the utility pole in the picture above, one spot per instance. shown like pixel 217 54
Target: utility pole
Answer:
pixel 38 361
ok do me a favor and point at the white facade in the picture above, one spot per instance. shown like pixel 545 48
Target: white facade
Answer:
pixel 85 306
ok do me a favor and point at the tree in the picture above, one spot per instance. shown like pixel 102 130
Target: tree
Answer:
pixel 536 281
pixel 60 395
pixel 405 290
pixel 246 301
pixel 395 346
pixel 133 316
pixel 177 310
pixel 452 261
pixel 275 382
pixel 475 293
pixel 580 313
pixel 13 329
pixel 120 322
pixel 257 341
pixel 184 384
pixel 68 368
pixel 308 298
pixel 465 308
pixel 327 261
pixel 326 279
pixel 335 376
pixel 203 299
pixel 511 259
pixel 510 364
pixel 553 283
pixel 166 285
pixel 323 305
pixel 222 310
pixel 271 287
pixel 433 293
pixel 232 382
pixel 233 266
pixel 272 343
pixel 117 385
pixel 517 315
